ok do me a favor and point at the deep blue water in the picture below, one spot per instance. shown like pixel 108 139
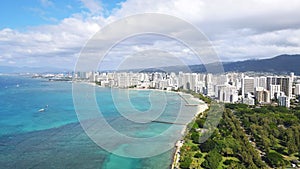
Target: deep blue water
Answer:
pixel 55 139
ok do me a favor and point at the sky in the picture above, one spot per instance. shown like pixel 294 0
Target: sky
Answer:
pixel 39 33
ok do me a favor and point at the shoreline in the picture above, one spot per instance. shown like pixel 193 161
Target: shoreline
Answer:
pixel 201 107
pixel 179 143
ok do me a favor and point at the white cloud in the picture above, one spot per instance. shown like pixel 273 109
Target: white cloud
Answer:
pixel 94 6
pixel 48 44
pixel 238 29
pixel 11 62
pixel 260 45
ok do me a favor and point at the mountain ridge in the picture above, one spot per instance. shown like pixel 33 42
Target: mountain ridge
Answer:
pixel 284 63
pixel 279 64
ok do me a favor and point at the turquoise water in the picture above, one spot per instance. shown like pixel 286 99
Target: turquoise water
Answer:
pixel 55 139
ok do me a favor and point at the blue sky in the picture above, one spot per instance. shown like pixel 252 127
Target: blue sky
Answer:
pixel 20 14
pixel 37 33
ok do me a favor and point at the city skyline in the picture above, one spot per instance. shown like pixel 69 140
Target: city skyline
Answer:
pixel 233 87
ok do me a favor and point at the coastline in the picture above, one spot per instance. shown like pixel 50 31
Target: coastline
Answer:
pixel 179 143
pixel 201 107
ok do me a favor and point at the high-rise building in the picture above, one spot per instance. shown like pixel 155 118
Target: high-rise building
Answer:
pixel 283 100
pixel 209 85
pixel 285 85
pixel 180 80
pixel 221 79
pixel 227 93
pixel 292 74
pixel 247 85
pixel 193 80
pixel 201 77
pixel 274 89
pixel 134 79
pixel 261 82
pixel 208 78
pixel 186 81
pixel 232 78
pixel 123 80
pixel 209 90
pixel 200 86
pixel 297 89
pixel 271 80
pixel 262 95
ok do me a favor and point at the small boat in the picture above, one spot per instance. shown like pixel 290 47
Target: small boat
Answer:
pixel 41 110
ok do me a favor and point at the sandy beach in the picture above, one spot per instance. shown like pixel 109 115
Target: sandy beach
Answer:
pixel 189 99
pixel 200 109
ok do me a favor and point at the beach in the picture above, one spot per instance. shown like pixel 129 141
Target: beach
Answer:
pixel 189 100
pixel 176 154
pixel 56 138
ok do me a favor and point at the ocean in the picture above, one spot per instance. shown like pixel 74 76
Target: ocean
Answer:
pixel 54 138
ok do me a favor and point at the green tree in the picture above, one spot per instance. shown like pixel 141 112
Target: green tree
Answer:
pixel 200 122
pixel 185 163
pixel 274 159
pixel 198 155
pixel 207 146
pixel 195 137
pixel 212 159
pixel 227 151
pixel 291 145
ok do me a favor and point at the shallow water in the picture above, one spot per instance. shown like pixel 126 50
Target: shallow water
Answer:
pixel 55 139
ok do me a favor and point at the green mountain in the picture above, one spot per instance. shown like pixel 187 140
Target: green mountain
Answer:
pixel 279 64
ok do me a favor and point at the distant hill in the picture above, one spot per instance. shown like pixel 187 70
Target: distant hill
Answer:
pixel 279 64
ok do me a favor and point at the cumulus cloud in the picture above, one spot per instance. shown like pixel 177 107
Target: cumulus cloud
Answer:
pixel 94 6
pixel 51 43
pixel 238 30
pixel 233 13
pixel 262 45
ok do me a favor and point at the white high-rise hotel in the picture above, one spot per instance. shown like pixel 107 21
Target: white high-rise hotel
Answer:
pixel 247 85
